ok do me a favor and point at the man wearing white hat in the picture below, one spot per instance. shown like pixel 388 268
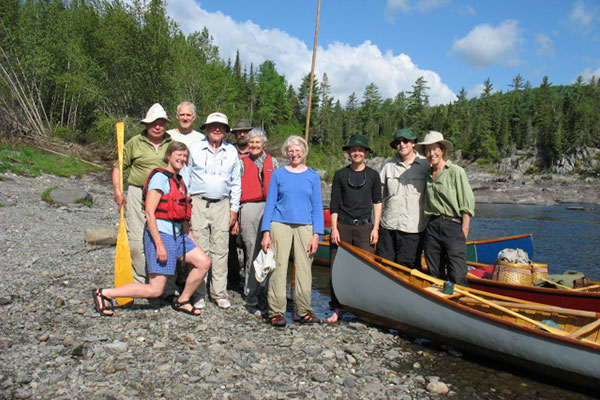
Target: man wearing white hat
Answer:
pixel 213 180
pixel 141 154
pixel 450 204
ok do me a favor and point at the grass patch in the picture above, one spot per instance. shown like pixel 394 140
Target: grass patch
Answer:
pixel 85 202
pixel 2 205
pixel 46 195
pixel 31 161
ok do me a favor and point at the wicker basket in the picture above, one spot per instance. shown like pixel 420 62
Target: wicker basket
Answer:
pixel 538 271
pixel 515 274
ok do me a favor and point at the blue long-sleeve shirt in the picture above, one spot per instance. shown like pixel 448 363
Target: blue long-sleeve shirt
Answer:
pixel 294 198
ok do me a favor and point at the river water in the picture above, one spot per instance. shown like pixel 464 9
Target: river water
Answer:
pixel 566 237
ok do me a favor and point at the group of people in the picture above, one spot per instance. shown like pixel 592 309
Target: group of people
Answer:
pixel 189 196
pixel 419 201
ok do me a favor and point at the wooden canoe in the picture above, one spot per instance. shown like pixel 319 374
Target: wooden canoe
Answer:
pixel 587 298
pixel 500 327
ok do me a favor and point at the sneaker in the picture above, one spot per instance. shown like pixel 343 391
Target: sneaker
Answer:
pixel 200 304
pixel 223 303
pixel 278 321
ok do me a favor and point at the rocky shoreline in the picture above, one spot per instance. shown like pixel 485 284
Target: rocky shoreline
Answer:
pixel 54 346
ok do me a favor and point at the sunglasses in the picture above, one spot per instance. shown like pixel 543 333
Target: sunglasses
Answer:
pixel 355 186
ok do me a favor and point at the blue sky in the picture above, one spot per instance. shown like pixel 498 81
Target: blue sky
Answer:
pixel 452 44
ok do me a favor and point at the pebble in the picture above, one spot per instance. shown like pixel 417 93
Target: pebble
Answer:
pixel 53 345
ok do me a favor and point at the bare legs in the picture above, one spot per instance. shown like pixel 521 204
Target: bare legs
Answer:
pixel 157 282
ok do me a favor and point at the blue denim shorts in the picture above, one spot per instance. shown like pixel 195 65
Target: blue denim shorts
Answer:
pixel 174 251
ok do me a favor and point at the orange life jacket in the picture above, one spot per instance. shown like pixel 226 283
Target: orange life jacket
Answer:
pixel 252 187
pixel 174 206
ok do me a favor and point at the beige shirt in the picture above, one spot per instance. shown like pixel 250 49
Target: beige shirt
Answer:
pixel 404 195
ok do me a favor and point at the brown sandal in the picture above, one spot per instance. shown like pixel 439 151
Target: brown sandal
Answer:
pixel 178 306
pixel 309 318
pixel 100 305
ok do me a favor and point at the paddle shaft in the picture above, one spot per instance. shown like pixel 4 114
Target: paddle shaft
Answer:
pixel 555 283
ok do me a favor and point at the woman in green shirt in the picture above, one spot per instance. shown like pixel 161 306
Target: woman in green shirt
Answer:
pixel 450 204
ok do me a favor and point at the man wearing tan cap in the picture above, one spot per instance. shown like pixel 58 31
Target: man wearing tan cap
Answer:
pixel 213 180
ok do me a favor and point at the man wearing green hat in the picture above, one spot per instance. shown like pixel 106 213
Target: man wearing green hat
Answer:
pixel 403 221
pixel 355 191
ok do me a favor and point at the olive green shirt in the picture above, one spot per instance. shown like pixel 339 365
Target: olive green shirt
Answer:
pixel 450 193
pixel 140 157
pixel 404 195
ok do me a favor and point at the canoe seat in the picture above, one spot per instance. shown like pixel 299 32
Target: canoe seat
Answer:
pixel 438 291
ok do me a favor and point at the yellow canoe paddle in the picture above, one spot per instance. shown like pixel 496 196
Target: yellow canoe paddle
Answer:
pixel 123 270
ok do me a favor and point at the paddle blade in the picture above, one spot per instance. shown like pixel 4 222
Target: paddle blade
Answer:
pixel 123 270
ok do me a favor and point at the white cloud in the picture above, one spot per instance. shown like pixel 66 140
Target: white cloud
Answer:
pixel 587 74
pixel 582 18
pixel 545 45
pixel 486 45
pixel 477 90
pixel 407 6
pixel 349 68
pixel 466 9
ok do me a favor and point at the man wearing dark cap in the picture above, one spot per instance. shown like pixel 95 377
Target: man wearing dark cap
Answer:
pixel 355 206
pixel 240 131
pixel 403 221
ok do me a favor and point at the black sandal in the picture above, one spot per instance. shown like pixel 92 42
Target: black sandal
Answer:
pixel 101 306
pixel 178 306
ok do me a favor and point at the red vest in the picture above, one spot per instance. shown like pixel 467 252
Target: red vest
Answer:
pixel 252 189
pixel 176 205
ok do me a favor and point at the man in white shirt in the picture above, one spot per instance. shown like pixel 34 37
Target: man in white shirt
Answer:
pixel 185 133
pixel 213 181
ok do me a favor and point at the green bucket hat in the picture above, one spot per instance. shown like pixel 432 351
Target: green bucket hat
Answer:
pixel 242 125
pixel 357 140
pixel 402 133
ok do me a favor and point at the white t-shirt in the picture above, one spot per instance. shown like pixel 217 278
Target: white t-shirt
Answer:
pixel 188 138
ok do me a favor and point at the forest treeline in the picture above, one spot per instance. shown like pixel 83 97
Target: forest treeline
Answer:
pixel 69 69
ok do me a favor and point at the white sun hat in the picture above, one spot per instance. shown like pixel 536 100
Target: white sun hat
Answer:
pixel 216 117
pixel 431 138
pixel 264 264
pixel 155 112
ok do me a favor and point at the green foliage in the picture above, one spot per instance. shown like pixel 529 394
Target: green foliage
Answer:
pixel 84 65
pixel 26 160
pixel 46 195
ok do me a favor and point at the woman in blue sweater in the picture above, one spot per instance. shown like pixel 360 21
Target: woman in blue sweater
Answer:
pixel 293 216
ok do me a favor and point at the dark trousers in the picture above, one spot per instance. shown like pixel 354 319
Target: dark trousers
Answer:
pixel 446 251
pixel 233 264
pixel 356 235
pixel 401 247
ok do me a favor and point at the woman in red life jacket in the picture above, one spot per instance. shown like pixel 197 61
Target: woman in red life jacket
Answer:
pixel 256 173
pixel 166 238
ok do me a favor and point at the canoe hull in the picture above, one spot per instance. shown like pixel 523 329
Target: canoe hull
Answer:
pixel 379 296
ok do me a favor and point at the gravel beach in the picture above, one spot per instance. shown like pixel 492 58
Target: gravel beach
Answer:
pixel 54 346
